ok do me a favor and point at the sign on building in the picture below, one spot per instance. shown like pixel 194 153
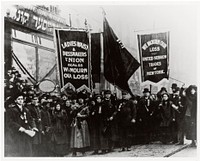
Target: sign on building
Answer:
pixel 36 18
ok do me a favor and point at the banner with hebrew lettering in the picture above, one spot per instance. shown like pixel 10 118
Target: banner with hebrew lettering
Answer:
pixel 154 56
pixel 73 59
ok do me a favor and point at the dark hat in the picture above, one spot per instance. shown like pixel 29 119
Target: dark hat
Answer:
pixel 165 93
pixel 146 90
pixel 190 88
pixel 98 95
pixel 174 86
pixel 17 94
pixel 107 92
pixel 163 89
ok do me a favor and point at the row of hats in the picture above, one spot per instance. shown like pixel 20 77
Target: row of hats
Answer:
pixel 174 86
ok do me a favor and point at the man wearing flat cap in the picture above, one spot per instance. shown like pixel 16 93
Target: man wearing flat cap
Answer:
pixel 21 126
pixel 144 115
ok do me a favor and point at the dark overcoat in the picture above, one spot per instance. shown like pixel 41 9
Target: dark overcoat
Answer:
pixel 22 143
pixel 98 140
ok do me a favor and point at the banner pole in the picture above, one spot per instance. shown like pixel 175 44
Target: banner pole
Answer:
pixel 90 65
pixel 150 88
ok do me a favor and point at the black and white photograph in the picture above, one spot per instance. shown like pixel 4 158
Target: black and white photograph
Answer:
pixel 99 79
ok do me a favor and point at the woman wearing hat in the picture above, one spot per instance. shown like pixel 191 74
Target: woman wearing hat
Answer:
pixel 59 135
pixel 80 137
pixel 100 142
pixel 21 126
pixel 191 113
pixel 167 118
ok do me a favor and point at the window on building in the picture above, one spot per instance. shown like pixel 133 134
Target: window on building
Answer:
pixel 47 60
pixel 36 52
pixel 26 55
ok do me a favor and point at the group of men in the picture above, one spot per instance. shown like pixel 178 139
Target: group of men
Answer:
pixel 36 122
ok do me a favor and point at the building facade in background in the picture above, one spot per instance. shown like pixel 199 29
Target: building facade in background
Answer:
pixel 29 37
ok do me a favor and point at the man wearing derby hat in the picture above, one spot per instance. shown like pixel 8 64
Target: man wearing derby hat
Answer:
pixel 178 135
pixel 173 87
pixel 145 115
pixel 21 126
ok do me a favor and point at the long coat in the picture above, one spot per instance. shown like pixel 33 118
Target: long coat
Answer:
pixel 98 140
pixel 59 135
pixel 80 136
pixel 167 114
pixel 22 143
pixel 191 117
pixel 47 127
pixel 145 112
pixel 146 109
pixel 108 111
pixel 38 117
pixel 178 126
pixel 167 118
pixel 126 112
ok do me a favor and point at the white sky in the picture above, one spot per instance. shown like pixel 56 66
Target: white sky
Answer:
pixel 128 20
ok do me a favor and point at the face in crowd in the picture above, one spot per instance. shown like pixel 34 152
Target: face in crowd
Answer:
pixel 81 101
pixel 74 100
pixel 193 91
pixel 177 93
pixel 92 103
pixel 146 94
pixel 58 107
pixel 165 97
pixel 107 95
pixel 173 90
pixel 125 96
pixel 68 103
pixel 19 100
pixel 35 101
pixel 43 100
pixel 98 99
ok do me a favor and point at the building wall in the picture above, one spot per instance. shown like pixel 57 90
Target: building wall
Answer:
pixel 29 35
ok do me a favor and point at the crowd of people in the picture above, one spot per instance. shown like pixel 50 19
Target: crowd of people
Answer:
pixel 40 124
